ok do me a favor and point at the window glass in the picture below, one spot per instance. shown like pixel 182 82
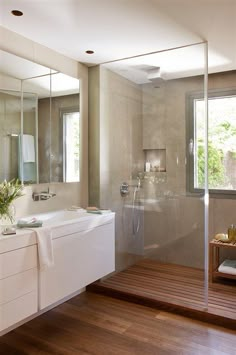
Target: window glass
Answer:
pixel 221 143
pixel 71 146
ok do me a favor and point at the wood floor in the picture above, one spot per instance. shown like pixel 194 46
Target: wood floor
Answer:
pixel 173 285
pixel 100 325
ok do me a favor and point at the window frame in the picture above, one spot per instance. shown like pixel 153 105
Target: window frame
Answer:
pixel 190 134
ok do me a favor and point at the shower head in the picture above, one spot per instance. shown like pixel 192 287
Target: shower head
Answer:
pixel 154 75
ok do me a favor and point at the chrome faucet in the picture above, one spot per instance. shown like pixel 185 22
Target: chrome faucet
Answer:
pixel 43 195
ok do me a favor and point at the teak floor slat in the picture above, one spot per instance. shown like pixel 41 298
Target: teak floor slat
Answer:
pixel 160 296
pixel 173 289
pixel 171 285
pixel 163 275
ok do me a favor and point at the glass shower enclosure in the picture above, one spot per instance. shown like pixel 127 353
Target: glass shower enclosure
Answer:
pixel 153 170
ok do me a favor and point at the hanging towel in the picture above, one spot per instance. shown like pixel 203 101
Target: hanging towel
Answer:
pixel 28 151
pixel 45 248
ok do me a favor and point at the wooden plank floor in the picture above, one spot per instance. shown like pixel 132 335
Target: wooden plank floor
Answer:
pixel 100 325
pixel 170 285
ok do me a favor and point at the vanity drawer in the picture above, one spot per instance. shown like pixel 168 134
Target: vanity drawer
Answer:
pixel 18 309
pixel 19 260
pixel 18 285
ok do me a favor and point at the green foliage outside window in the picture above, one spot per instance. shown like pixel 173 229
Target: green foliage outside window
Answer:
pixel 221 143
pixel 215 166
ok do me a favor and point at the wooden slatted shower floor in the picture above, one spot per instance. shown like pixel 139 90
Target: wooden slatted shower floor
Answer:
pixel 172 286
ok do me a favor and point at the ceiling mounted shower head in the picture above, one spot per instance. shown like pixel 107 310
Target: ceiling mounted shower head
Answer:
pixel 154 75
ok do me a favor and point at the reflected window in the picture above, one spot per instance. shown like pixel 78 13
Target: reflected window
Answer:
pixel 71 145
pixel 221 142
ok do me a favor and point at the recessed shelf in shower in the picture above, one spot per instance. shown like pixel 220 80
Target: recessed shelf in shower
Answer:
pixel 155 160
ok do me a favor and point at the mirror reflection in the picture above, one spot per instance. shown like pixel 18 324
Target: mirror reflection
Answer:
pixel 39 123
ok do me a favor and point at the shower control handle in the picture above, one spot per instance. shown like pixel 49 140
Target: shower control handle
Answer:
pixel 124 189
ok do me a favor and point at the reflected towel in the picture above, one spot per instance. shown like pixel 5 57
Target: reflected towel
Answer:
pixel 228 266
pixel 45 248
pixel 26 158
pixel 28 151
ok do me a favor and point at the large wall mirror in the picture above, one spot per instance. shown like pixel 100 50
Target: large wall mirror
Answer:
pixel 39 123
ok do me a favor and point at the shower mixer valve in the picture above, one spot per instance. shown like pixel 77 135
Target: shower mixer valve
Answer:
pixel 124 189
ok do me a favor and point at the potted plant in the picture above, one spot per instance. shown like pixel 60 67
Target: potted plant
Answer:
pixel 9 191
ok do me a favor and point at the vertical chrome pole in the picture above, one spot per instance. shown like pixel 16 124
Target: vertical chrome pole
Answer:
pixel 21 132
pixel 50 130
pixel 206 195
pixel 36 139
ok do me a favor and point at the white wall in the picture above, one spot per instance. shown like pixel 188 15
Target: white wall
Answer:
pixel 67 194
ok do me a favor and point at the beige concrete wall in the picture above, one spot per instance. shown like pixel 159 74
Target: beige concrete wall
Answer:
pixel 9 123
pixel 94 136
pixel 133 118
pixel 175 223
pixel 116 142
pixel 73 193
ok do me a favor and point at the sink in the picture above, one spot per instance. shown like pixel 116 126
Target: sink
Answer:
pixel 59 216
pixel 64 222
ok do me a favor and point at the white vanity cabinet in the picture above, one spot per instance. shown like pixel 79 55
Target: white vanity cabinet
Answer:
pixel 82 255
pixel 18 285
pixel 84 251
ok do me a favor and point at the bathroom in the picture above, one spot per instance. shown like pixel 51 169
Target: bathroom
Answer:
pixel 159 218
pixel 127 128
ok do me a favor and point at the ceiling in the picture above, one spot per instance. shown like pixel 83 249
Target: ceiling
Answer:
pixel 123 28
pixel 35 79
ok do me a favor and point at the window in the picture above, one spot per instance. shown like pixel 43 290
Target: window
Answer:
pixel 221 142
pixel 71 145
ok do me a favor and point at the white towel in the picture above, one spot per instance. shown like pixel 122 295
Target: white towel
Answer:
pixel 45 248
pixel 228 267
pixel 28 150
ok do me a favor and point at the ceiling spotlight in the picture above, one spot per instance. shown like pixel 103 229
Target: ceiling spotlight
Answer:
pixel 17 13
pixel 89 52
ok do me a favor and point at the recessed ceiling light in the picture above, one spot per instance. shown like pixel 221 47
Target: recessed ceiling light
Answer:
pixel 17 13
pixel 89 51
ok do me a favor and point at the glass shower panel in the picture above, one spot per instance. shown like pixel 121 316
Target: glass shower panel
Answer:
pixel 174 210
pixel 158 147
pixel 122 159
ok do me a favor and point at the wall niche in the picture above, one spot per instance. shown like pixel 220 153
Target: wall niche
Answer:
pixel 155 160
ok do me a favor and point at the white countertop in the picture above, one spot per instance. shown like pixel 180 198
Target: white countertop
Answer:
pixel 61 222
